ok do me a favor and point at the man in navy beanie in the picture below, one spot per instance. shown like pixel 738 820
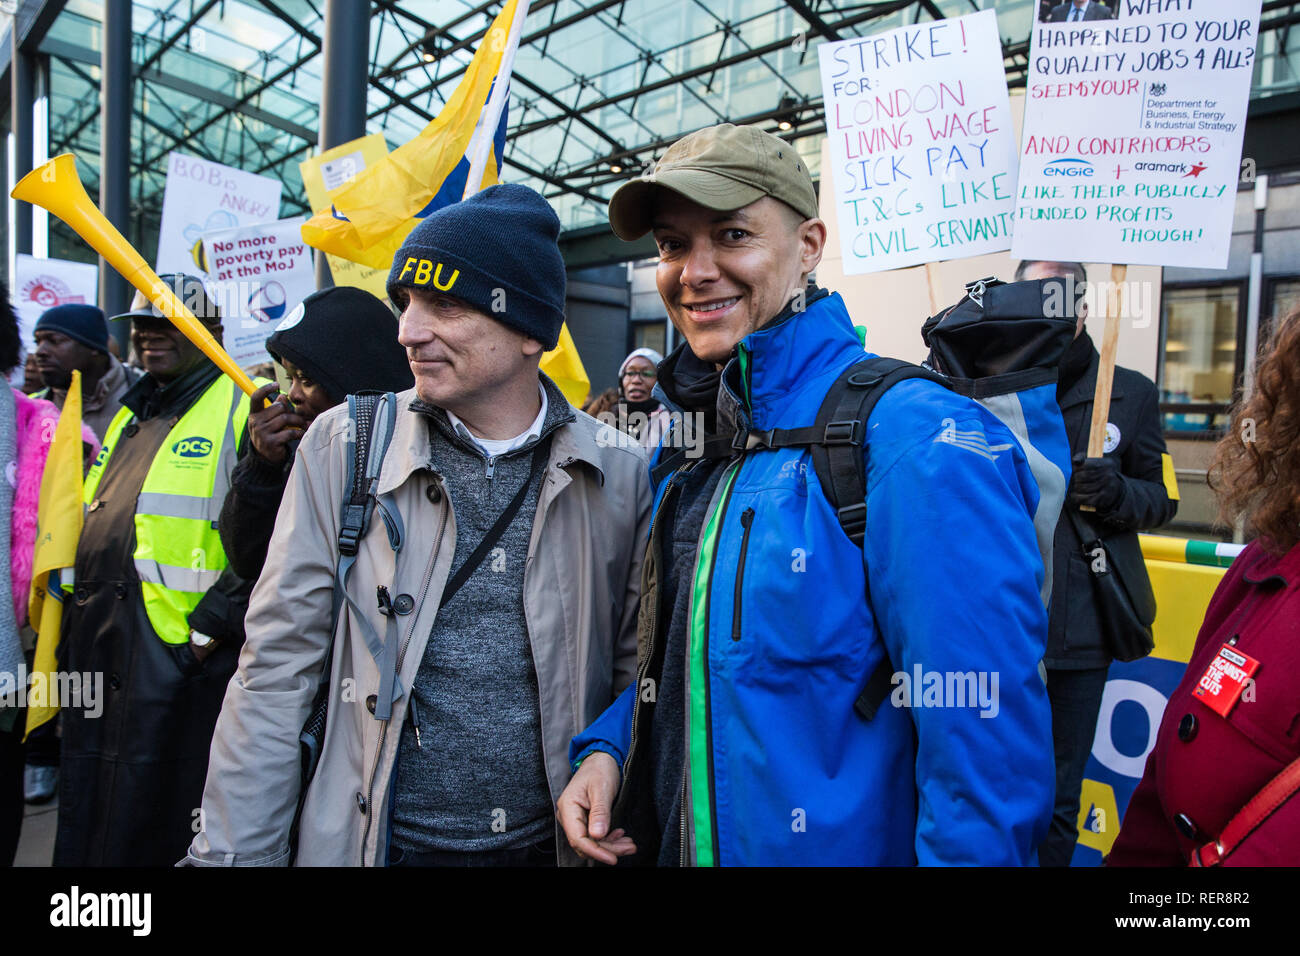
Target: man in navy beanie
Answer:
pixel 75 336
pixel 462 666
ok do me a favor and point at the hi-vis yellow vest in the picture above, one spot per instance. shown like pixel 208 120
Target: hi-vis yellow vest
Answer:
pixel 178 552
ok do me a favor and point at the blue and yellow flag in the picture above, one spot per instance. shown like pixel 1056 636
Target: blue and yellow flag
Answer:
pixel 58 526
pixel 373 214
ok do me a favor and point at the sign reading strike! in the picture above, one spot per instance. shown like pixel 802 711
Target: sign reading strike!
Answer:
pixel 1131 150
pixel 923 153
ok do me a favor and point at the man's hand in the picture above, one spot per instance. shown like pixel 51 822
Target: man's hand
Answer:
pixel 584 808
pixel 1096 482
pixel 273 427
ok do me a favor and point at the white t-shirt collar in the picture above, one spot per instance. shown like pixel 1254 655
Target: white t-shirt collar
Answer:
pixel 495 447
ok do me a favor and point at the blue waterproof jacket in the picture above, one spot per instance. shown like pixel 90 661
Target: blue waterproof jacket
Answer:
pixel 957 766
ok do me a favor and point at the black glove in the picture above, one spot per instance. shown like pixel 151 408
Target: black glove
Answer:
pixel 1096 482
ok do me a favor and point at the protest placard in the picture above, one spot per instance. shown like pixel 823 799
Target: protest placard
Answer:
pixel 202 197
pixel 923 151
pixel 330 171
pixel 41 284
pixel 1131 148
pixel 259 274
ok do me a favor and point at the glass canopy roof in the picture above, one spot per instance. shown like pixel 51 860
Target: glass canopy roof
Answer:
pixel 600 86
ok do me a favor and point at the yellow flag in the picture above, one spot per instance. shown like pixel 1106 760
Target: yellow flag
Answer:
pixel 375 212
pixel 564 366
pixel 58 526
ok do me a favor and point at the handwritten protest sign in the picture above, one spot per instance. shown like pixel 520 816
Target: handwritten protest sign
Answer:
pixel 259 274
pixel 1131 149
pixel 202 197
pixel 922 148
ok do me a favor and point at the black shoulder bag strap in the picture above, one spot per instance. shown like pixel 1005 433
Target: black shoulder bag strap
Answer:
pixel 541 455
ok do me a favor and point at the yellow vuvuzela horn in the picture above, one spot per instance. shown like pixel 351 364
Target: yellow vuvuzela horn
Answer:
pixel 56 187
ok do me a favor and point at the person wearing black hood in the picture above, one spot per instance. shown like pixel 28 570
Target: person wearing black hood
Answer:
pixel 337 342
pixel 1132 488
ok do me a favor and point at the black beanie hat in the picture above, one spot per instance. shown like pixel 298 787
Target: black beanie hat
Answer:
pixel 85 323
pixel 345 339
pixel 498 251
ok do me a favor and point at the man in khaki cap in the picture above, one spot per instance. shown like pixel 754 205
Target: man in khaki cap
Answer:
pixel 744 739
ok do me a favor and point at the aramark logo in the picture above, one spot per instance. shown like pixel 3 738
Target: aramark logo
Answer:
pixel 196 446
pixel 103 909
pixel 1074 168
pixel 973 440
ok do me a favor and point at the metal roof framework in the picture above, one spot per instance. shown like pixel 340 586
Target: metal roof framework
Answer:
pixel 600 86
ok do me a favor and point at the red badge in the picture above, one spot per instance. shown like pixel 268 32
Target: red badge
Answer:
pixel 1221 685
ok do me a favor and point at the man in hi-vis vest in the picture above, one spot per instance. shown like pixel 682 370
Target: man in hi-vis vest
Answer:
pixel 152 623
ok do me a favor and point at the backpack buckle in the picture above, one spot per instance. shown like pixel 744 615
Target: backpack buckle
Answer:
pixel 976 289
pixel 842 433
pixel 349 541
pixel 749 440
pixel 354 516
pixel 853 519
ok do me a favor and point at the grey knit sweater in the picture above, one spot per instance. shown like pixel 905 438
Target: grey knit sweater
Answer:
pixel 475 778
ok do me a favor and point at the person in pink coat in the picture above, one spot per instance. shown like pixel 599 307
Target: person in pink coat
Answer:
pixel 1222 785
pixel 26 433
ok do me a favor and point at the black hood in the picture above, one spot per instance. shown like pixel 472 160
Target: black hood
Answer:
pixel 345 339
pixel 1074 363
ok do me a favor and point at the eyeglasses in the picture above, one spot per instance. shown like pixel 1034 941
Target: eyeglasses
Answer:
pixel 638 373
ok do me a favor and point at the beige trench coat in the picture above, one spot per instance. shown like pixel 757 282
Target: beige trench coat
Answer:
pixel 581 589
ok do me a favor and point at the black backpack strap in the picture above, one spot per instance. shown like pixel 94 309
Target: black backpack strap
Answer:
pixel 840 462
pixel 371 418
pixel 838 436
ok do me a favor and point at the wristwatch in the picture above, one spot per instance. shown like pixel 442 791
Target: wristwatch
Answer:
pixel 201 640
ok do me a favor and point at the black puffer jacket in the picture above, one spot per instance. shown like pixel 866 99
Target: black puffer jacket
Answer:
pixel 1074 639
pixel 347 341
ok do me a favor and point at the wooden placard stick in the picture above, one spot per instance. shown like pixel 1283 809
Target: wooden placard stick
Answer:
pixel 932 286
pixel 1106 367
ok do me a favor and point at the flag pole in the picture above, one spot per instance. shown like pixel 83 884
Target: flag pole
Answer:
pixel 486 132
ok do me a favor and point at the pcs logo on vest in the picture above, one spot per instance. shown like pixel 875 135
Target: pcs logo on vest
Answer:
pixel 193 447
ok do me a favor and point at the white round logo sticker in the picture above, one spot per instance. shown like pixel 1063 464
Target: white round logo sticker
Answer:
pixel 292 319
pixel 1112 438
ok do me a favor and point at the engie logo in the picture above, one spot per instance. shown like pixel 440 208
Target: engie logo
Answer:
pixel 193 447
pixel 1068 167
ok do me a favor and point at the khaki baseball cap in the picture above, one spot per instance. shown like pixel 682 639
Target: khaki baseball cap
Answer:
pixel 720 167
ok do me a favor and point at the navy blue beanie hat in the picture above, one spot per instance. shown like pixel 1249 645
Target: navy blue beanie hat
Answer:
pixel 497 251
pixel 85 323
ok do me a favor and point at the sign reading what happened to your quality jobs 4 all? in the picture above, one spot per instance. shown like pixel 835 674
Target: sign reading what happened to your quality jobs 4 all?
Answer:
pixel 1131 150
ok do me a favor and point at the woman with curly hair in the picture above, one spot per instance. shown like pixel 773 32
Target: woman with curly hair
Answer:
pixel 1221 784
